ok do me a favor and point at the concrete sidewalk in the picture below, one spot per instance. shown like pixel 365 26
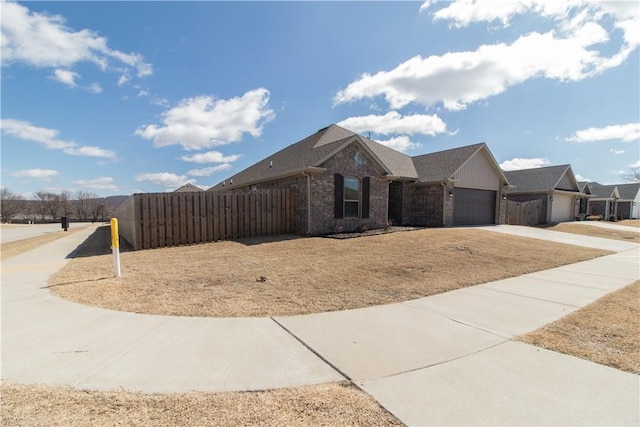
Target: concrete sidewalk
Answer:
pixel 446 359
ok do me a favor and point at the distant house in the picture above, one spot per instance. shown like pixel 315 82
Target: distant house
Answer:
pixel 619 201
pixel 345 182
pixel 604 200
pixel 629 203
pixel 188 188
pixel 555 186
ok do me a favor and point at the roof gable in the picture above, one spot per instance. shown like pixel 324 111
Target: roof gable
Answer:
pixel 605 192
pixel 545 179
pixel 443 165
pixel 629 191
pixel 188 188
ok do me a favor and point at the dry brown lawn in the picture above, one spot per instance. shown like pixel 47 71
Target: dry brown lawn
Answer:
pixel 605 332
pixel 326 404
pixel 630 223
pixel 588 230
pixel 17 247
pixel 290 275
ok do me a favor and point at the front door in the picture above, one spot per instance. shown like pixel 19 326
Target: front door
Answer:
pixel 395 202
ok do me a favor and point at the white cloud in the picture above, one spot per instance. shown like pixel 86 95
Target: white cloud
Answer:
pixel 457 79
pixel 122 80
pixel 102 183
pixel 635 165
pixel 400 143
pixel 165 179
pixel 204 121
pixel 519 163
pixel 614 151
pixel 47 137
pixel 394 123
pixel 581 178
pixel 208 171
pixel 44 41
pixel 627 133
pixel 94 88
pixel 35 173
pixel 65 76
pixel 210 157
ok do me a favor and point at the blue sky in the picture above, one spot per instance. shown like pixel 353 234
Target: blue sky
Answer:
pixel 123 97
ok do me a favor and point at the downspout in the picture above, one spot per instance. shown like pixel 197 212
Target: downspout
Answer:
pixel 308 202
pixel 444 203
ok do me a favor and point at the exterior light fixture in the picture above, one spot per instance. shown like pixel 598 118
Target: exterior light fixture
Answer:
pixel 450 193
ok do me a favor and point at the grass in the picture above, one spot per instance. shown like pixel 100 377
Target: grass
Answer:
pixel 291 275
pixel 630 223
pixel 599 326
pixel 606 331
pixel 588 230
pixel 17 247
pixel 326 404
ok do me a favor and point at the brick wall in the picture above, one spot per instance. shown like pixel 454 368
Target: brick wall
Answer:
pixel 349 162
pixel 425 204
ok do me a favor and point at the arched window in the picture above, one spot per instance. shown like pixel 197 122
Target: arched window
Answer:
pixel 351 196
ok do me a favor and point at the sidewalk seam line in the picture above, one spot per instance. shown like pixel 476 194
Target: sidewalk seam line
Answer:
pixel 308 347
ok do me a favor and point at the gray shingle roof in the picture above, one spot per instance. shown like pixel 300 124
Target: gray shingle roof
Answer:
pixel 629 191
pixel 603 191
pixel 537 179
pixel 443 165
pixel 311 151
pixel 188 188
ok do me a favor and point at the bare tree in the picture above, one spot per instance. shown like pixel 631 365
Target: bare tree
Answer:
pixel 65 203
pixel 11 204
pixel 83 203
pixel 634 176
pixel 50 204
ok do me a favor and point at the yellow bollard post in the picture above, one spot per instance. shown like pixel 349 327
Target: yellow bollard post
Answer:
pixel 115 246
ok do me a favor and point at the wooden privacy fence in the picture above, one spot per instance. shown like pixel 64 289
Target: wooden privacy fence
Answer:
pixel 525 213
pixel 152 220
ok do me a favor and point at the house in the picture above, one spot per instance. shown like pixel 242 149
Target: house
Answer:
pixel 583 208
pixel 346 182
pixel 555 186
pixel 620 201
pixel 629 203
pixel 604 200
pixel 188 188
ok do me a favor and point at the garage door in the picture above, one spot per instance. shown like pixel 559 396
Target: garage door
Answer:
pixel 474 207
pixel 562 208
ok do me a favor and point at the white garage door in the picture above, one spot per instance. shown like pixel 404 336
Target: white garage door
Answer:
pixel 562 208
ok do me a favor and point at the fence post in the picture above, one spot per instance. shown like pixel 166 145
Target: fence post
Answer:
pixel 115 246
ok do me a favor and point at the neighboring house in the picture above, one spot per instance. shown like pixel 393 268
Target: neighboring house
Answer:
pixel 583 208
pixel 188 188
pixel 346 182
pixel 604 200
pixel 629 203
pixel 620 201
pixel 555 186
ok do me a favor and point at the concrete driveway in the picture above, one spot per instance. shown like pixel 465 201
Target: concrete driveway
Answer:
pixel 446 360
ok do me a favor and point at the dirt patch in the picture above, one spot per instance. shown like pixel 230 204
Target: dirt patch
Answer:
pixel 17 247
pixel 588 230
pixel 606 331
pixel 326 404
pixel 290 275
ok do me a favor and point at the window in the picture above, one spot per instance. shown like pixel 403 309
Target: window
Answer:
pixel 351 197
